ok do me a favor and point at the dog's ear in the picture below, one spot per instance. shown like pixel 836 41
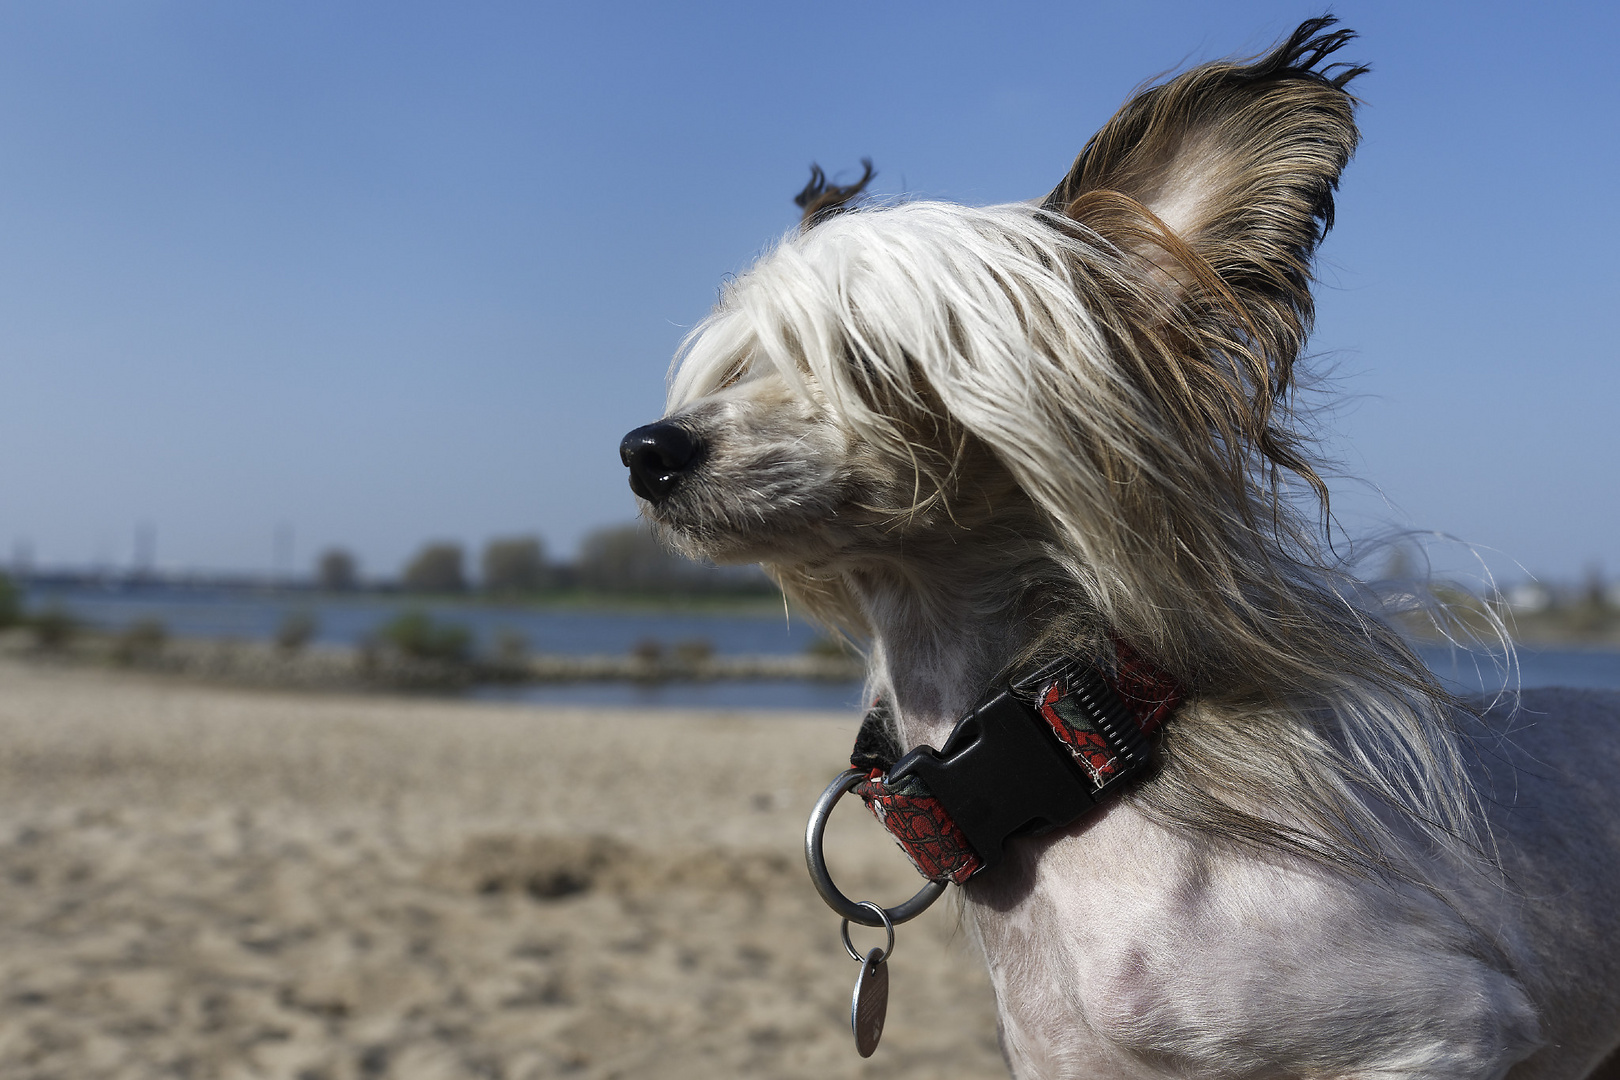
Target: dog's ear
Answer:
pixel 821 199
pixel 1223 179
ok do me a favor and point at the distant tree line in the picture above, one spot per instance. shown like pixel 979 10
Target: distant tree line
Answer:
pixel 625 559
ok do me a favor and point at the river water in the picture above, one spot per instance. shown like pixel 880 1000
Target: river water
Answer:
pixel 349 620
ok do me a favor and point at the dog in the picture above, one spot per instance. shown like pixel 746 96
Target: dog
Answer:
pixel 977 438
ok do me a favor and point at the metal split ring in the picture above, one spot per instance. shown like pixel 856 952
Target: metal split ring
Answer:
pixel 888 924
pixel 850 910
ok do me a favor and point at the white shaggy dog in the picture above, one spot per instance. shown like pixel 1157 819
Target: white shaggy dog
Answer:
pixel 981 438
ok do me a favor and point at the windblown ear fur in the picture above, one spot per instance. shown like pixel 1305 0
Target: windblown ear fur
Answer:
pixel 821 199
pixel 1223 179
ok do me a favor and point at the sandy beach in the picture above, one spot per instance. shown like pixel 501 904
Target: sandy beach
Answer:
pixel 203 882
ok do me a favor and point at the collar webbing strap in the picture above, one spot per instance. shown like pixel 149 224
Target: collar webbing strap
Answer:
pixel 1032 756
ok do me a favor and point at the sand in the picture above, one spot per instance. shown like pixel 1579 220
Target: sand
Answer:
pixel 197 882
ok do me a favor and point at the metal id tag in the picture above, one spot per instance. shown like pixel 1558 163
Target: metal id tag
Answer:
pixel 870 1002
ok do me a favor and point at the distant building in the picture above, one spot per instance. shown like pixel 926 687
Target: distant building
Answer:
pixel 1529 597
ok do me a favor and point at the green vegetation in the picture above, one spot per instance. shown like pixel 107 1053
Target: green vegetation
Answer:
pixel 829 646
pixel 694 651
pixel 437 568
pixel 623 567
pixel 516 565
pixel 337 571
pixel 54 628
pixel 630 559
pixel 634 602
pixel 511 648
pixel 1532 613
pixel 689 653
pixel 1590 617
pixel 11 605
pixel 297 629
pixel 142 639
pixel 416 635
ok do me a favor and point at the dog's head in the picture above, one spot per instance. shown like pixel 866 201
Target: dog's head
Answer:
pixel 1099 379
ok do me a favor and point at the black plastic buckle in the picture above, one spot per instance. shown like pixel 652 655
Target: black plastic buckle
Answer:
pixel 1003 772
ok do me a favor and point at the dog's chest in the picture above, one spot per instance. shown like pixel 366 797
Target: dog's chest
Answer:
pixel 1121 950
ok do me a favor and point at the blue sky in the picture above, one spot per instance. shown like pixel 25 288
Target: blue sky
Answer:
pixel 385 273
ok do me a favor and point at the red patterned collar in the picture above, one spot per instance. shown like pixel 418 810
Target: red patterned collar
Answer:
pixel 1035 754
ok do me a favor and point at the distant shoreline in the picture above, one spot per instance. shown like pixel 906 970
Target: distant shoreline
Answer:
pixel 718 603
pixel 1585 628
pixel 344 668
pixel 372 669
pixel 1584 624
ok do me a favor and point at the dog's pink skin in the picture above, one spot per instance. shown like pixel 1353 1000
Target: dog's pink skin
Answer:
pixel 1119 948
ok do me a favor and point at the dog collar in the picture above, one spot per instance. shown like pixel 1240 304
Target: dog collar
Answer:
pixel 1035 754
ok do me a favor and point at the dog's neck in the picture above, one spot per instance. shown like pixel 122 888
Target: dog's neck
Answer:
pixel 934 649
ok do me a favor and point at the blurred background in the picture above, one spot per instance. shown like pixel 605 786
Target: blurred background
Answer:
pixel 309 296
pixel 282 280
pixel 320 324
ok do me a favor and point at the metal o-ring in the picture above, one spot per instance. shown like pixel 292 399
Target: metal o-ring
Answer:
pixel 888 924
pixel 841 904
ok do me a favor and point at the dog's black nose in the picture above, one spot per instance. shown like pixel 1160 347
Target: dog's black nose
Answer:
pixel 658 455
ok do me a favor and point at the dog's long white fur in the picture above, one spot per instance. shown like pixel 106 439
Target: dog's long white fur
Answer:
pixel 953 432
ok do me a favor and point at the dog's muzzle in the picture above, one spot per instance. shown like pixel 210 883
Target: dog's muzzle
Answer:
pixel 658 455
